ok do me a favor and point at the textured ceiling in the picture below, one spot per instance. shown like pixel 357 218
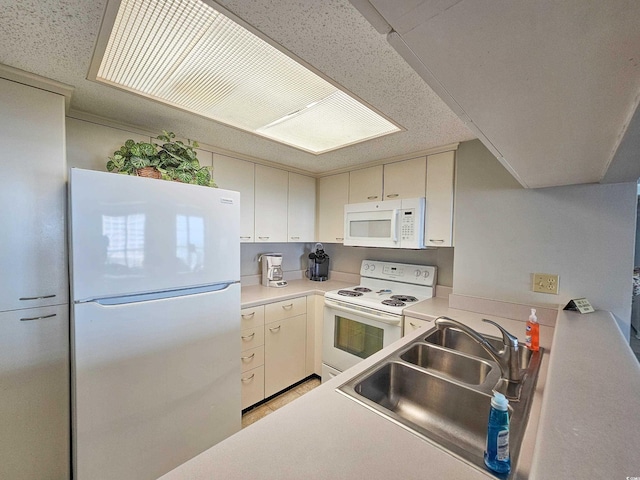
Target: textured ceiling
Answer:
pixel 55 39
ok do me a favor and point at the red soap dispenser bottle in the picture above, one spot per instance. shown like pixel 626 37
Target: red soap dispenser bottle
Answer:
pixel 533 332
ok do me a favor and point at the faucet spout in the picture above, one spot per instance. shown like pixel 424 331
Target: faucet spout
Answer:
pixel 507 357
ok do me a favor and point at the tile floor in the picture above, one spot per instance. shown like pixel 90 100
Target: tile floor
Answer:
pixel 281 400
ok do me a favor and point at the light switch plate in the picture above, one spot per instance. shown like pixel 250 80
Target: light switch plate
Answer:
pixel 545 283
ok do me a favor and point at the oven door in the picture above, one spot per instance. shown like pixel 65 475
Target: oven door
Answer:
pixel 350 334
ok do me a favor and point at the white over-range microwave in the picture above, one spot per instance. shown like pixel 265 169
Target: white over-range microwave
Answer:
pixel 389 224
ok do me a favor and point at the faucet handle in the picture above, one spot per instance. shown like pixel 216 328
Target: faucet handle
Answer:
pixel 508 339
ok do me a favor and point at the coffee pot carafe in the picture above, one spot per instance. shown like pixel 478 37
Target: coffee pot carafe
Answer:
pixel 272 270
pixel 318 269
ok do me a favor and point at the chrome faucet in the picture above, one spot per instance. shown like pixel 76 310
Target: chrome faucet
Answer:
pixel 508 357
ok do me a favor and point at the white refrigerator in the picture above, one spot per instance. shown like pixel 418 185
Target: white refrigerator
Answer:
pixel 155 283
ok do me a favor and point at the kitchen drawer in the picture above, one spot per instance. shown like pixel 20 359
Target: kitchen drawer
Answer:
pixel 252 317
pixel 252 358
pixel 285 309
pixel 251 338
pixel 252 386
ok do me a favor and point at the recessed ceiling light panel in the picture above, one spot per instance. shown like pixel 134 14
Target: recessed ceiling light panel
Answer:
pixel 189 55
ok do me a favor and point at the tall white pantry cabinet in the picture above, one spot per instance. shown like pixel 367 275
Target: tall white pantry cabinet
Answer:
pixel 34 312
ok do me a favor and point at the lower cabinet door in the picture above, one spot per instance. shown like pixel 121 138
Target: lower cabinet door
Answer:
pixel 34 394
pixel 252 386
pixel 285 353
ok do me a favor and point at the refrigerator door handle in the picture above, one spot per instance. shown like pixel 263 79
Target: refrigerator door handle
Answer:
pixel 145 297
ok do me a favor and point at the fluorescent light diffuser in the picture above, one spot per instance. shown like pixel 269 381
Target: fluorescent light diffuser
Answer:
pixel 187 54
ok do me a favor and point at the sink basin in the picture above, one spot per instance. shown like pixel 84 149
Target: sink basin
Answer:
pixel 439 387
pixel 457 340
pixel 450 414
pixel 467 369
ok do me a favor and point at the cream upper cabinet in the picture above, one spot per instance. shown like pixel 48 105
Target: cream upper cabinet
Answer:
pixel 365 185
pixel 333 194
pixel 440 194
pixel 233 174
pixel 33 194
pixel 271 190
pixel 406 179
pixel 301 225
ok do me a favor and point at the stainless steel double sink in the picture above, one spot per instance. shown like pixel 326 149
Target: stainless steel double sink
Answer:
pixel 439 387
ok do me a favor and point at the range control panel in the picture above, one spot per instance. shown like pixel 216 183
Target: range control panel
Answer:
pixel 399 272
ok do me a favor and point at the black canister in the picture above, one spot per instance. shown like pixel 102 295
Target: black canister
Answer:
pixel 318 270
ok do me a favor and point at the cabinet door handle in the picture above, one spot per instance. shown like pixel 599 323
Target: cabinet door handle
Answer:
pixel 372 197
pixel 274 329
pixel 247 316
pixel 249 337
pixel 37 318
pixel 249 378
pixel 249 357
pixel 37 298
pixel 436 240
pixel 340 239
pixel 287 307
pixel 413 325
pixel 264 238
pixel 295 238
pixel 393 195
pixel 245 238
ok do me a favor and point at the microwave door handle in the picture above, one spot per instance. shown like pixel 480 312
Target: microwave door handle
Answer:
pixel 394 225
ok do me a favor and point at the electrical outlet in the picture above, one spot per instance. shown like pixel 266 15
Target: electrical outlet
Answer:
pixel 545 283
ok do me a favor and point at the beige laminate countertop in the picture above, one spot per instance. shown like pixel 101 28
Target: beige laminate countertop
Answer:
pixel 583 419
pixel 257 294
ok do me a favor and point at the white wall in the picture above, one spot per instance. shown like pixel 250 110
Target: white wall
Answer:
pixel 504 233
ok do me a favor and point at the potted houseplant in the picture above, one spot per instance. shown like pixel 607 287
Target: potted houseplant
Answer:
pixel 135 158
pixel 171 160
pixel 178 161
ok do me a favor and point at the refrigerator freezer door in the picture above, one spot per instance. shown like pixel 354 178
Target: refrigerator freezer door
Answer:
pixel 132 235
pixel 156 382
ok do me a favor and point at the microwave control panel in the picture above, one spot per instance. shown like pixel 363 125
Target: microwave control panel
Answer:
pixel 408 228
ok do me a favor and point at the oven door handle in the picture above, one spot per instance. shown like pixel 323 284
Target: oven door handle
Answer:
pixel 378 317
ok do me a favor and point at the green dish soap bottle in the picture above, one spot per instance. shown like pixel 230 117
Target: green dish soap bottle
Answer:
pixel 496 455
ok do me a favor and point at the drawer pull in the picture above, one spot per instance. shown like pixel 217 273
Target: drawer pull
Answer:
pixel 393 195
pixel 37 318
pixel 413 325
pixel 249 378
pixel 249 337
pixel 436 240
pixel 249 357
pixel 264 238
pixel 295 238
pixel 247 316
pixel 275 329
pixel 340 239
pixel 245 238
pixel 287 307
pixel 372 197
pixel 37 298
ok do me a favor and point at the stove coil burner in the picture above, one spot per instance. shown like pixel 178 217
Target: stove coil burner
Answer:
pixel 349 293
pixel 404 298
pixel 394 303
pixel 362 289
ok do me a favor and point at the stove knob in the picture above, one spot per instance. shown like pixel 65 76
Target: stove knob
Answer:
pixel 418 273
pixel 366 266
pixel 373 267
pixel 426 274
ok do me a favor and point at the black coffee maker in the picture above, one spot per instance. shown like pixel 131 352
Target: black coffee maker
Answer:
pixel 318 270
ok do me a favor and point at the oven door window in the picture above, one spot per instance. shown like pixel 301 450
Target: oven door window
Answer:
pixel 357 338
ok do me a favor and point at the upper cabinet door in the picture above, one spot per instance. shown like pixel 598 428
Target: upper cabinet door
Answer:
pixel 440 194
pixel 365 185
pixel 406 179
pixel 333 194
pixel 33 261
pixel 272 185
pixel 302 208
pixel 233 174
